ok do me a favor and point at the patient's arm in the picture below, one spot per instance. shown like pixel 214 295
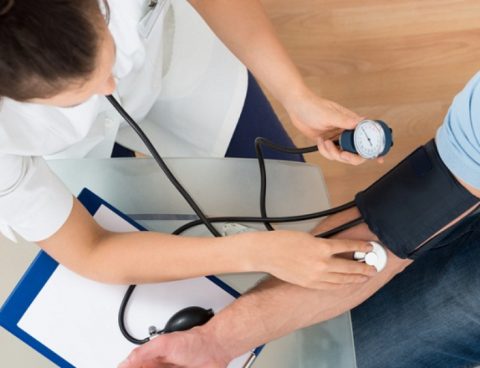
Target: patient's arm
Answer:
pixel 275 309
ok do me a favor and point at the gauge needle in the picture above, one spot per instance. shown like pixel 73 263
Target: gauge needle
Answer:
pixel 366 135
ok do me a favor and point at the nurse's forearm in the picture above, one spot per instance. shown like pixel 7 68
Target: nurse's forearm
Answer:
pixel 246 30
pixel 140 257
pixel 145 257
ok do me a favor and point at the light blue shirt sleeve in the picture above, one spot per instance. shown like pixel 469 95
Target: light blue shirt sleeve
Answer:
pixel 458 138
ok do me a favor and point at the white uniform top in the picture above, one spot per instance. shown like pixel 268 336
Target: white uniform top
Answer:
pixel 173 75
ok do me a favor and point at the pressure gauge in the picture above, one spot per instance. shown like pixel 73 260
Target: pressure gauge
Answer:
pixel 370 139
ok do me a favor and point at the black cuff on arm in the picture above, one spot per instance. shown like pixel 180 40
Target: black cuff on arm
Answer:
pixel 413 201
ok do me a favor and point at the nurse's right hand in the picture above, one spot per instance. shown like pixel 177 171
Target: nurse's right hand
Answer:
pixel 302 259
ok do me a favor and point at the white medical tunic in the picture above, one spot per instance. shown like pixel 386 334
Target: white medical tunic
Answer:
pixel 173 76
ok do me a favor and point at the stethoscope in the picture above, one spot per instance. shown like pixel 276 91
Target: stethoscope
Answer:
pixel 370 139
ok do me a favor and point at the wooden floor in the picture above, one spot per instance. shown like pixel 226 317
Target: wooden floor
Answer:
pixel 401 61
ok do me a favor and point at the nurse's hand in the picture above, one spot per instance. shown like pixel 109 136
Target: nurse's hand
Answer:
pixel 192 349
pixel 301 259
pixel 323 120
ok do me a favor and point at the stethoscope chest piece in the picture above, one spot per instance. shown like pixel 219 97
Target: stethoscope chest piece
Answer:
pixel 377 257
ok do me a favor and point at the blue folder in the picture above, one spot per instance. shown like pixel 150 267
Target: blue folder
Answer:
pixel 38 274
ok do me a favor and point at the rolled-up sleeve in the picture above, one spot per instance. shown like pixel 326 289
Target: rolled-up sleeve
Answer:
pixel 33 200
pixel 458 139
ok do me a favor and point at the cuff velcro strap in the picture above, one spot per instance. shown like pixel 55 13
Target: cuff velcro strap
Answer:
pixel 413 201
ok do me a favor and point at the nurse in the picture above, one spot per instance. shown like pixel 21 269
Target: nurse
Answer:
pixel 194 98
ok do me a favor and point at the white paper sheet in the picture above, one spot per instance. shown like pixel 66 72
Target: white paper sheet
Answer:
pixel 77 318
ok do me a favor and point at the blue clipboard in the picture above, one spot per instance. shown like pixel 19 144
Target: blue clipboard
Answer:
pixel 39 273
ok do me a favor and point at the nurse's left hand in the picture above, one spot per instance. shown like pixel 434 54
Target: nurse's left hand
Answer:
pixel 323 120
pixel 192 349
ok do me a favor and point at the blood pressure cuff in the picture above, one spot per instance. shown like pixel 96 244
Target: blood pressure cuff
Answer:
pixel 413 201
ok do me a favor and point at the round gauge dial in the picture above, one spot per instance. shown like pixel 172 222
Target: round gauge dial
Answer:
pixel 369 139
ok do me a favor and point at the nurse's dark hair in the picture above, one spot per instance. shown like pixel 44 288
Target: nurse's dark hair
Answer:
pixel 46 45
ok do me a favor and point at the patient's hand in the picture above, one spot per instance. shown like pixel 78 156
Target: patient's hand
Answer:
pixel 191 349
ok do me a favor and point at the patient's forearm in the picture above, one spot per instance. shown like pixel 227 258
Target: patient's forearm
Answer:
pixel 276 308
